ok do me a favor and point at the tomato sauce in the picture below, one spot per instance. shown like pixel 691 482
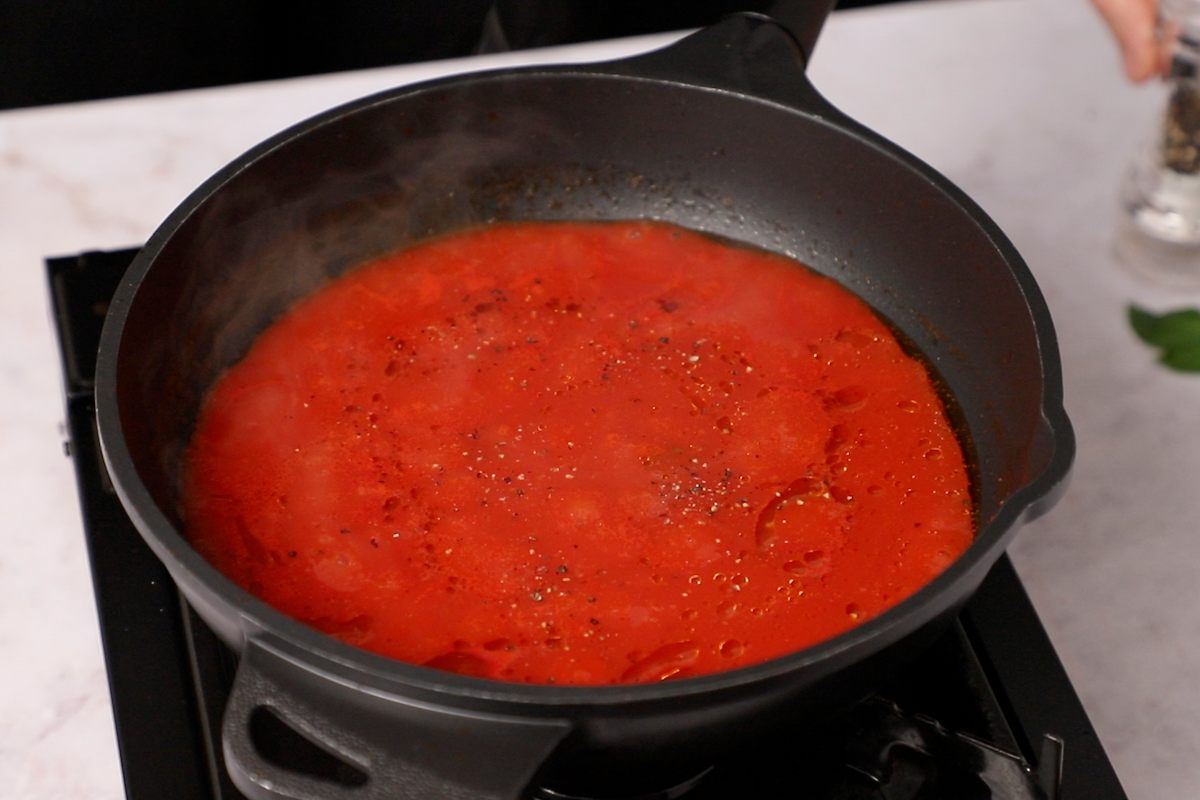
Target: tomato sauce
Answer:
pixel 578 453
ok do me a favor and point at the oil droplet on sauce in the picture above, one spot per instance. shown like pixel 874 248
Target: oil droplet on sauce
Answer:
pixel 803 507
pixel 668 661
pixel 578 454
pixel 732 648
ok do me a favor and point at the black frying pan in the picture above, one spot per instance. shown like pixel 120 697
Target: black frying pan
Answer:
pixel 722 133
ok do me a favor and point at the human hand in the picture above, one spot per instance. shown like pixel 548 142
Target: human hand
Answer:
pixel 1134 24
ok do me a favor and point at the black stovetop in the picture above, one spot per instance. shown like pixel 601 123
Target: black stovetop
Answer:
pixel 987 712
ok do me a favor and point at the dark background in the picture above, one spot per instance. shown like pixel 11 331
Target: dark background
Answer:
pixel 55 51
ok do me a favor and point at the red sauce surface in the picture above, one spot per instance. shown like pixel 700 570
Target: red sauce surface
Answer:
pixel 580 454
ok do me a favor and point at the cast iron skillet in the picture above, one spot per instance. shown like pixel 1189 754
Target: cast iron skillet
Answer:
pixel 721 132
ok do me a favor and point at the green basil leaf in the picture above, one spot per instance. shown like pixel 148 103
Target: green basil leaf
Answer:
pixel 1184 358
pixel 1144 323
pixel 1180 328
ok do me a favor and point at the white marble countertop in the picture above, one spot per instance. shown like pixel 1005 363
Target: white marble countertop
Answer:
pixel 1021 102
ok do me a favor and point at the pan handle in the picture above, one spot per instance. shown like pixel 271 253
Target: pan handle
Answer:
pixel 748 53
pixel 368 746
pixel 803 20
pixel 1054 452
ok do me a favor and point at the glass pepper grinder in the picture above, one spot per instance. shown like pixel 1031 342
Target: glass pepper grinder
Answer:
pixel 1161 193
